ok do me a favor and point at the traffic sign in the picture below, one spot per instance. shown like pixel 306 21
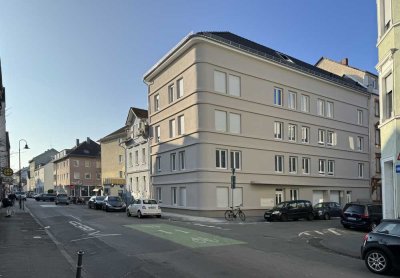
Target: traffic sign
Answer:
pixel 7 171
pixel 398 168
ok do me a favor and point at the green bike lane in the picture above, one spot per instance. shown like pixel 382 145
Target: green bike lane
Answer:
pixel 184 236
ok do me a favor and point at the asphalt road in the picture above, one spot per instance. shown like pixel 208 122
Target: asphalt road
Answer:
pixel 119 246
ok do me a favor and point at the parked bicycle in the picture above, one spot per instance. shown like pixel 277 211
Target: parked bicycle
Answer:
pixel 232 213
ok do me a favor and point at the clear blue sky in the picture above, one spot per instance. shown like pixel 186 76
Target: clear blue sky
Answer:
pixel 73 68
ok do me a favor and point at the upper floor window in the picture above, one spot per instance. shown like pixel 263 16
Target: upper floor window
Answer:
pixel 158 164
pixel 305 103
pixel 279 163
pixel 76 163
pixel 156 102
pixel 378 162
pixel 171 93
pixel 321 166
pixel 360 143
pixel 181 125
pixel 87 163
pixel 234 85
pixel 143 155
pixel 278 130
pixel 359 117
pixel 376 108
pixel 292 100
pixel 234 123
pixel 235 159
pixel 321 136
pixel 331 138
pixel 157 133
pixel 320 107
pixel 292 130
pixel 306 165
pixel 179 93
pixel 220 159
pixel 305 134
pixel 137 157
pixel 130 159
pixel 389 95
pixel 220 82
pixel 329 109
pixel 182 160
pixel 331 167
pixel 293 164
pixel 173 161
pixel 172 128
pixel 386 15
pixel 278 96
pixel 377 136
pixel 360 170
pixel 88 176
pixel 220 121
pixel 120 158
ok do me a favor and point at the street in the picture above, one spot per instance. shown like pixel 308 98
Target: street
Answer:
pixel 119 246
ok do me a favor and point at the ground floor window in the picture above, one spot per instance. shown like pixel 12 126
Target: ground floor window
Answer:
pixel 348 196
pixel 158 194
pixel 182 196
pixel 278 196
pixel 222 197
pixel 173 196
pixel 294 194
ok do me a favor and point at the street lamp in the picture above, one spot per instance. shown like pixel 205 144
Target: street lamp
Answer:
pixel 19 159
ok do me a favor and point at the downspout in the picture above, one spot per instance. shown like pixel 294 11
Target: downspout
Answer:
pixel 149 162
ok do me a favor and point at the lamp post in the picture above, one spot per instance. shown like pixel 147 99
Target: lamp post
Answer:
pixel 19 159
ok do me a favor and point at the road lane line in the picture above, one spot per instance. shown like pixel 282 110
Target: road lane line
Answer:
pixel 202 225
pixel 165 232
pixel 76 218
pixel 81 226
pixel 318 232
pixel 182 231
pixel 304 233
pixel 96 236
pixel 334 232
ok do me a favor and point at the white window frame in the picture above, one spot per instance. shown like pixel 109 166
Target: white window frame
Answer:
pixel 179 88
pixel 136 157
pixel 278 92
pixel 219 76
pixel 292 132
pixel 174 196
pixel 158 164
pixel 278 130
pixel 292 100
pixel 321 136
pixel 156 102
pixel 321 107
pixel 159 194
pixel 321 166
pixel 329 109
pixel 279 164
pixel 181 125
pixel 293 164
pixel 305 134
pixel 305 103
pixel 360 143
pixel 219 161
pixel 360 115
pixel 223 120
pixel 233 117
pixel 236 159
pixel 172 126
pixel 330 138
pixel 361 170
pixel 171 93
pixel 182 160
pixel 77 175
pixel 144 156
pixel 294 194
pixel 233 81
pixel 306 165
pixel 173 161
pixel 331 167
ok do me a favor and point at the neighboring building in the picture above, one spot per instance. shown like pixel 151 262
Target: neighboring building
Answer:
pixel 113 163
pixel 24 179
pixel 290 129
pixel 34 164
pixel 77 171
pixel 44 178
pixel 4 140
pixel 389 85
pixel 137 153
pixel 370 82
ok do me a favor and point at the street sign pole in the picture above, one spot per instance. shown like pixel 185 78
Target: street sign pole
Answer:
pixel 233 183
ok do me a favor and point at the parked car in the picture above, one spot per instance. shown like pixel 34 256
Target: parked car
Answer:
pixel 326 210
pixel 30 194
pixel 381 247
pixel 96 202
pixel 113 203
pixel 20 195
pixel 144 207
pixel 46 197
pixel 295 210
pixel 361 215
pixel 61 199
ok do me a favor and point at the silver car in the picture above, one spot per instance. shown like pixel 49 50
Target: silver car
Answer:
pixel 61 199
pixel 144 207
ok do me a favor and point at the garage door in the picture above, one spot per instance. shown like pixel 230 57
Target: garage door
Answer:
pixel 318 196
pixel 335 196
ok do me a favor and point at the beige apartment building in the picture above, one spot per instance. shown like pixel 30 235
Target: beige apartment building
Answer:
pixel 290 129
pixel 34 184
pixel 113 163
pixel 370 82
pixel 77 171
pixel 137 153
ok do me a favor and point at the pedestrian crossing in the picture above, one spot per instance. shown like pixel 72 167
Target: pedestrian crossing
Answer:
pixel 326 232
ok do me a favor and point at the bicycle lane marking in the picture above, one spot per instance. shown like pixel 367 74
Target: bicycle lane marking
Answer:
pixel 183 236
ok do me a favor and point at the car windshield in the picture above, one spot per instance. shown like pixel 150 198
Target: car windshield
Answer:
pixel 359 209
pixel 318 205
pixel 114 199
pixel 62 195
pixel 280 205
pixel 149 202
pixel 100 198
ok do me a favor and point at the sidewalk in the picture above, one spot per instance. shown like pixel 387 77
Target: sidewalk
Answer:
pixel 26 250
pixel 216 220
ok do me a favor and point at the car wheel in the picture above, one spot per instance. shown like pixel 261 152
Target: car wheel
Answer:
pixel 327 216
pixel 139 214
pixel 128 213
pixel 346 226
pixel 284 217
pixel 310 216
pixel 158 216
pixel 377 261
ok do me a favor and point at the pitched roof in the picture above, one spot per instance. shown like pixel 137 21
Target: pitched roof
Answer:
pixel 140 113
pixel 87 148
pixel 44 157
pixel 325 58
pixel 113 135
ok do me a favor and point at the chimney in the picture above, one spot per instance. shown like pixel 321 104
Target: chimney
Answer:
pixel 77 142
pixel 88 140
pixel 345 61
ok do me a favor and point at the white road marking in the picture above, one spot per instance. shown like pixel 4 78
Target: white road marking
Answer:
pixel 96 236
pixel 202 225
pixel 181 231
pixel 334 232
pixel 37 237
pixel 81 226
pixel 75 218
pixel 48 206
pixel 304 233
pixel 47 227
pixel 204 240
pixel 318 232
pixel 165 232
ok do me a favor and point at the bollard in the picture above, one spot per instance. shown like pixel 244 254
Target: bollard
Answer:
pixel 79 265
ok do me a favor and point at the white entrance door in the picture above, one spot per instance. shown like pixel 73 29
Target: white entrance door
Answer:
pixel 335 196
pixel 278 196
pixel 318 196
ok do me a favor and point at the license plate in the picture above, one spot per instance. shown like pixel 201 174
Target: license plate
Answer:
pixel 351 218
pixel 152 207
pixel 267 215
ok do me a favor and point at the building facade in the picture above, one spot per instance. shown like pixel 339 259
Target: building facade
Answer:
pixel 43 176
pixel 291 130
pixel 34 164
pixel 389 84
pixel 113 163
pixel 370 82
pixel 77 171
pixel 137 153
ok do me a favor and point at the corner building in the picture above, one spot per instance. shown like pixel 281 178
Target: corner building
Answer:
pixel 290 129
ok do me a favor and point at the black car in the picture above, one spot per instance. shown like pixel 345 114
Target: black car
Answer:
pixel 326 210
pixel 46 197
pixel 290 210
pixel 96 202
pixel 361 215
pixel 381 247
pixel 113 203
